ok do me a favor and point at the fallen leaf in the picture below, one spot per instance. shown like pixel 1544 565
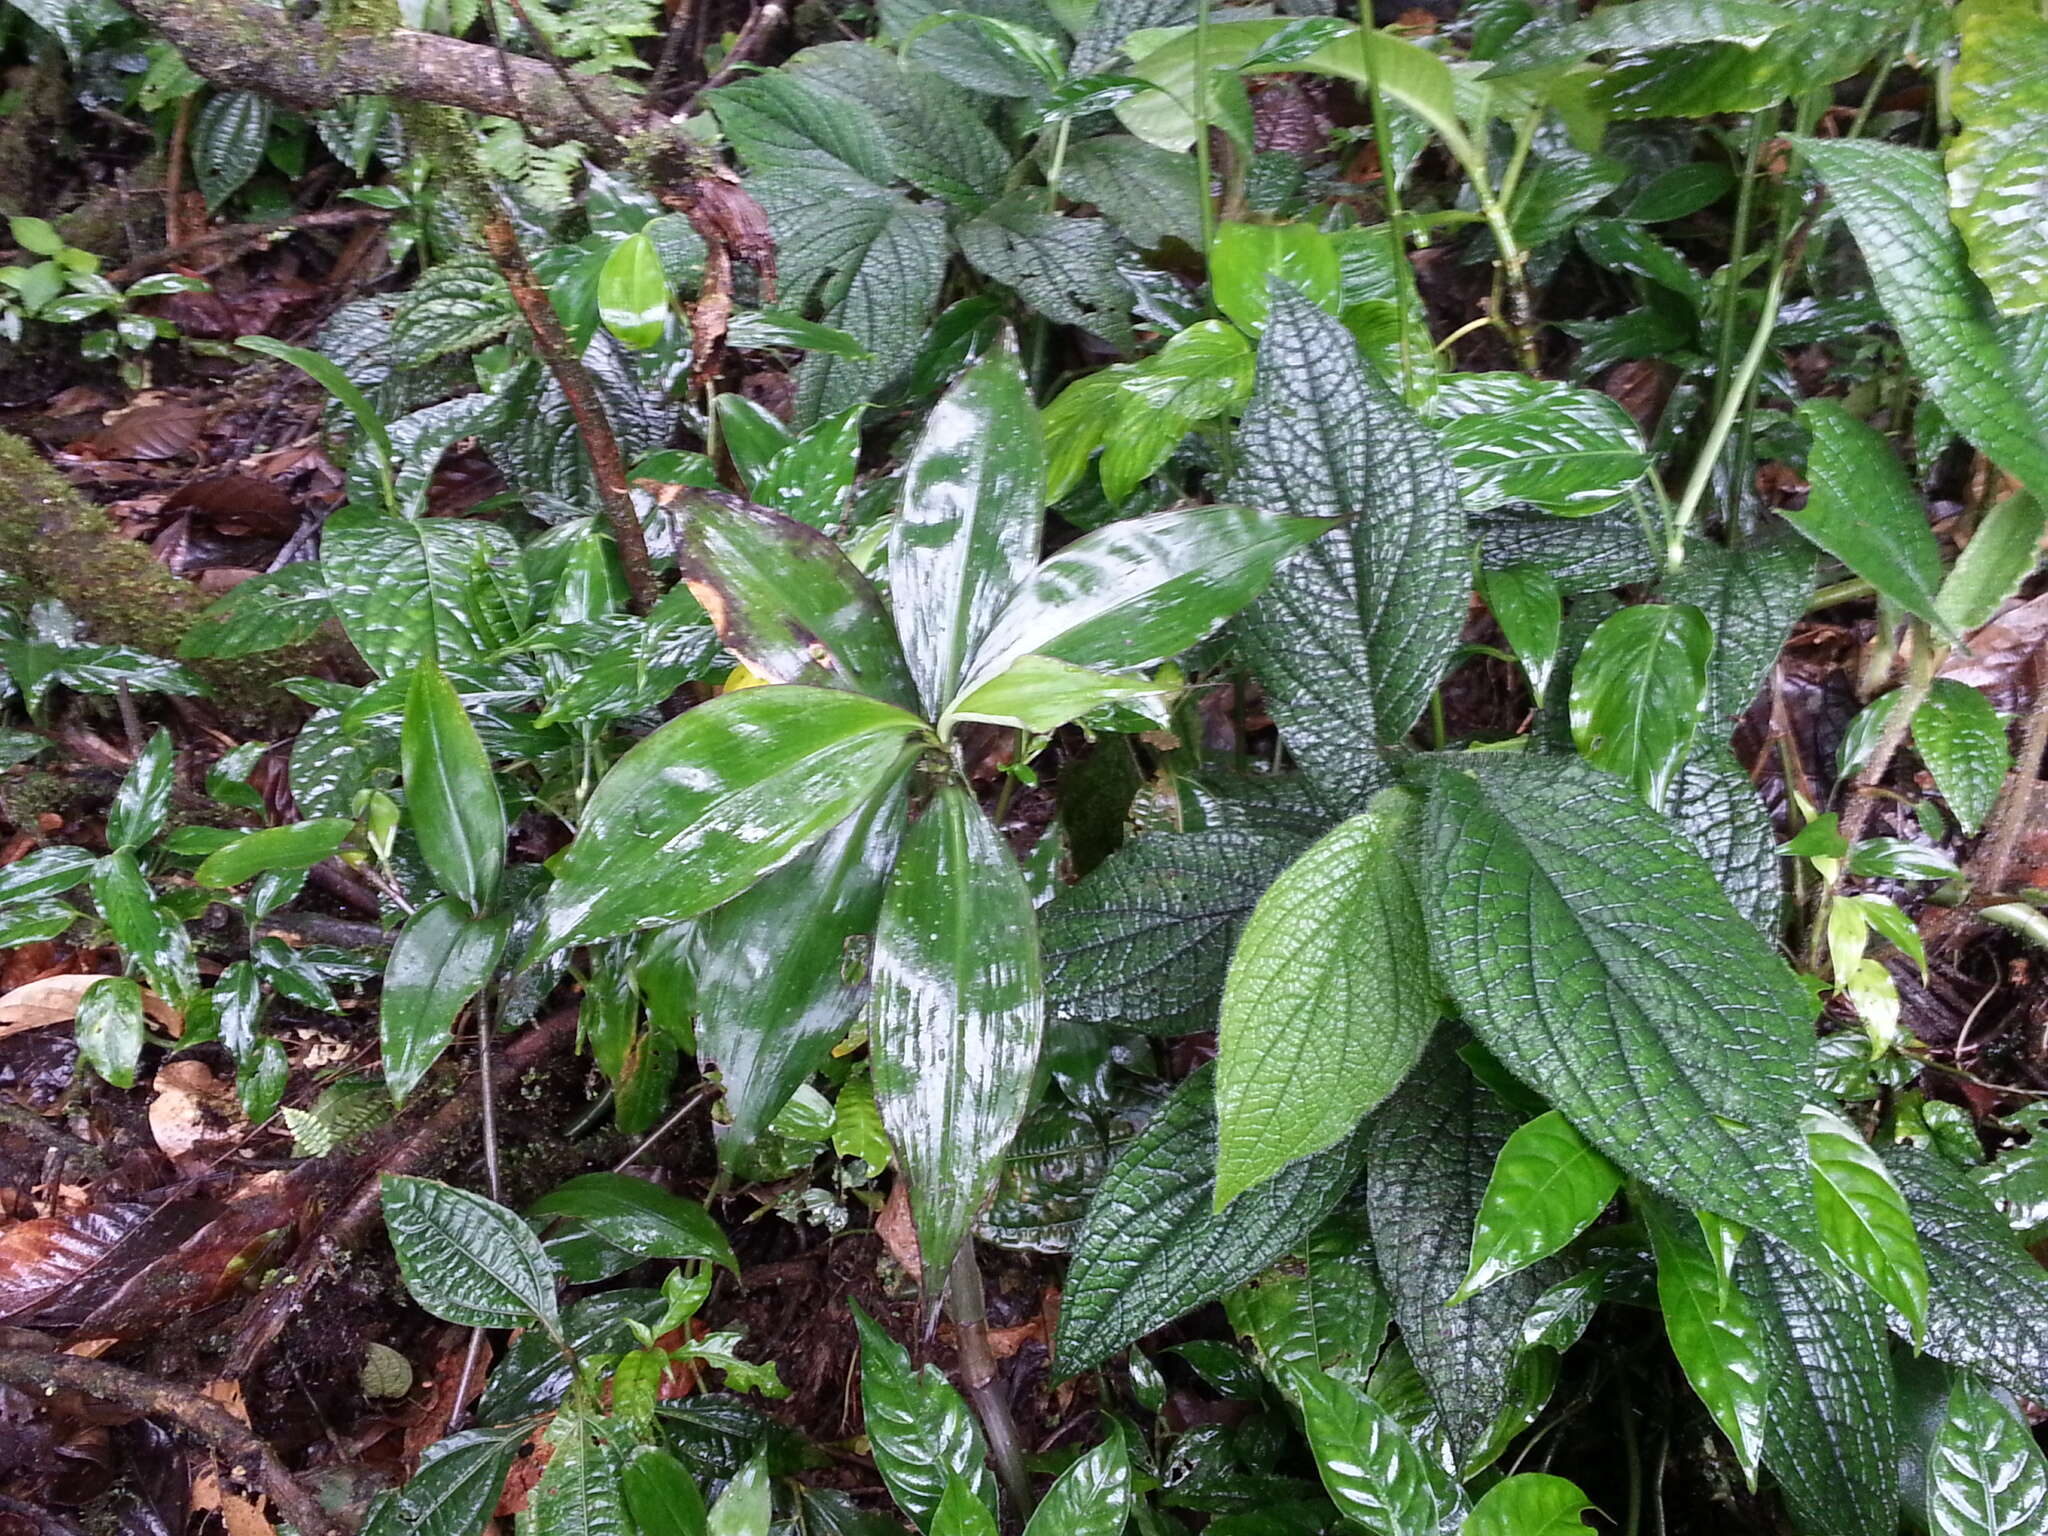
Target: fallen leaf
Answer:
pixel 898 1231
pixel 194 1116
pixel 54 1000
pixel 40 1260
pixel 148 432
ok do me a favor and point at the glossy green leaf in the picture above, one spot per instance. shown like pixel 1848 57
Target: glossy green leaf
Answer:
pixel 467 1259
pixel 452 306
pixel 1591 950
pixel 714 800
pixel 1639 691
pixel 787 602
pixel 1201 374
pixel 1039 694
pixel 1512 438
pixel 1328 1314
pixel 1832 1435
pixel 1640 28
pixel 1987 1296
pixel 1529 1504
pixel 300 845
pixel 967 533
pixel 1356 630
pixel 638 1217
pixel 1941 311
pixel 809 479
pixel 1961 739
pixel 778 983
pixel 2001 554
pixel 1547 1187
pixel 1093 1497
pixel 632 293
pixel 1141 589
pixel 960 1513
pixel 1524 601
pixel 1864 512
pixel 661 1495
pixel 401 585
pixel 1146 192
pixel 751 434
pixel 442 959
pixel 1153 1247
pixel 456 1489
pixel 1372 1470
pixel 1752 595
pixel 1245 259
pixel 228 138
pixel 1429 1150
pixel 151 939
pixel 1713 1330
pixel 919 1430
pixel 49 871
pixel 1815 43
pixel 956 1017
pixel 1998 163
pixel 1329 999
pixel 110 1028
pixel 1063 265
pixel 451 797
pixel 579 1492
pixel 143 802
pixel 1863 1217
pixel 1985 1473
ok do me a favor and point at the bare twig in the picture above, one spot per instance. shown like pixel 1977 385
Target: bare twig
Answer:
pixel 248 234
pixel 248 1457
pixel 576 88
pixel 174 175
pixel 2015 797
pixel 754 36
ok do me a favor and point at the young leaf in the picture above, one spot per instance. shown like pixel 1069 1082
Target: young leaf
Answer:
pixel 298 846
pixel 632 293
pixel 2000 555
pixel 1039 694
pixel 960 1513
pixel 1091 1498
pixel 1939 308
pixel 1140 590
pixel 920 1431
pixel 1153 1247
pixel 1713 1331
pixel 1590 950
pixel 1512 438
pixel 770 1027
pixel 1329 1000
pixel 787 601
pixel 1862 510
pixel 714 800
pixel 110 1028
pixel 957 1015
pixel 644 1220
pixel 1985 1473
pixel 467 1259
pixel 1832 1435
pixel 1524 601
pixel 1962 741
pixel 450 793
pixel 968 531
pixel 1245 259
pixel 579 1492
pixel 143 801
pixel 1547 1187
pixel 1529 1504
pixel 1638 693
pixel 661 1495
pixel 1863 1217
pixel 442 959
pixel 1374 1473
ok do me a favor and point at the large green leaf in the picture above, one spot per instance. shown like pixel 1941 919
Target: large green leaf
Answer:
pixel 1863 1217
pixel 1324 437
pixel 2000 555
pixel 1328 1313
pixel 1371 1469
pixel 150 938
pixel 1752 595
pixel 956 1017
pixel 453 306
pixel 1987 1296
pixel 110 1028
pixel 1961 739
pixel 1716 806
pixel 1890 196
pixel 1641 27
pixel 1202 373
pixel 967 534
pixel 1512 438
pixel 227 142
pixel 143 802
pixel 1831 1438
pixel 1638 691
pixel 787 601
pixel 1430 1151
pixel 467 1259
pixel 776 984
pixel 1713 1330
pixel 1329 1000
pixel 1820 42
pixel 1525 603
pixel 714 800
pixel 450 796
pixel 1547 1187
pixel 1139 590
pixel 1063 266
pixel 1529 1504
pixel 643 1219
pixel 1149 932
pixel 1153 1247
pixel 442 959
pixel 1091 1498
pixel 458 1485
pixel 1998 162
pixel 1862 509
pixel 299 845
pixel 399 584
pixel 1985 1473
pixel 661 1495
pixel 1147 192
pixel 1592 951
pixel 920 1431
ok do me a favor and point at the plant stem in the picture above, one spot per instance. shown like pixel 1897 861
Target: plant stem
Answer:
pixel 968 1308
pixel 1397 225
pixel 1203 170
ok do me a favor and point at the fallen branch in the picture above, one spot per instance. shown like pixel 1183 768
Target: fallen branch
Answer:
pixel 249 1458
pixel 248 234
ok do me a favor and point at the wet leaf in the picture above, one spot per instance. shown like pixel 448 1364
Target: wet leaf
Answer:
pixel 442 959
pixel 1547 1187
pixel 1961 739
pixel 1985 1474
pixel 1713 1330
pixel 467 1259
pixel 1639 691
pixel 634 1215
pixel 451 796
pixel 298 846
pixel 921 1433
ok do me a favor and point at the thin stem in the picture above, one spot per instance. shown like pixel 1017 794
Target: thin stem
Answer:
pixel 968 1308
pixel 698 1095
pixel 1202 168
pixel 1059 161
pixel 1738 252
pixel 487 1117
pixel 1397 224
